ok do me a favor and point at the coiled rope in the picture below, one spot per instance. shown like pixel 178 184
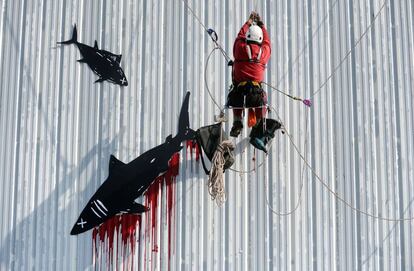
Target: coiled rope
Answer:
pixel 216 186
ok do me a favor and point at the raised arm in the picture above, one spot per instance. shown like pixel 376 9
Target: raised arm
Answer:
pixel 245 27
pixel 266 45
pixel 241 36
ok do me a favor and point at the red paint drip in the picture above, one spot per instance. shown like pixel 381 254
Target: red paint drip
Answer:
pixel 152 201
pixel 170 179
pixel 192 144
pixel 124 225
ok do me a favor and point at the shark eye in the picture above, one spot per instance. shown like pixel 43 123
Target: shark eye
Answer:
pixel 153 160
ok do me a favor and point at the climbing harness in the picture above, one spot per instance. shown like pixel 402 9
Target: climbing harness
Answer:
pixel 246 94
pixel 250 58
pixel 249 54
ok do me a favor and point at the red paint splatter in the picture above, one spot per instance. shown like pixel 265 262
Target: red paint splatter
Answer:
pixel 152 202
pixel 170 179
pixel 125 226
pixel 192 144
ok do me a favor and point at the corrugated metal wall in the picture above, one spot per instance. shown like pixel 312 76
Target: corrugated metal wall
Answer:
pixel 58 129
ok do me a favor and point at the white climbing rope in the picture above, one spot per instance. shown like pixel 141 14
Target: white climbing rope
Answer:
pixel 216 185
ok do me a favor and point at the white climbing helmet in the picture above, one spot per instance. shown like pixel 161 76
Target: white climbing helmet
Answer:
pixel 254 34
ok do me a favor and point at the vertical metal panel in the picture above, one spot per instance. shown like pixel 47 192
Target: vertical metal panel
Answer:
pixel 58 128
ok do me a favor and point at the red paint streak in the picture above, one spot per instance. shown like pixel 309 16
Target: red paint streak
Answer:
pixel 192 144
pixel 124 226
pixel 152 201
pixel 151 222
pixel 170 179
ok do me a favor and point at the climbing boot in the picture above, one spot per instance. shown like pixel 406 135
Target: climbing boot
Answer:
pixel 236 129
pixel 263 132
pixel 258 143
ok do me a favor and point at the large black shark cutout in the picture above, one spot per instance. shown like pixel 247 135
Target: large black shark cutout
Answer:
pixel 126 182
pixel 105 64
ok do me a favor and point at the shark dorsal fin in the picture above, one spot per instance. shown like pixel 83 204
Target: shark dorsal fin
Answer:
pixel 114 162
pixel 118 58
pixel 168 138
pixel 96 45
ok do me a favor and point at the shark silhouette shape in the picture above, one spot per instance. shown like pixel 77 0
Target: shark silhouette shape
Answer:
pixel 105 64
pixel 126 182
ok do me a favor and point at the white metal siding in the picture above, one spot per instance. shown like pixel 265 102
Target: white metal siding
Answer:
pixel 58 129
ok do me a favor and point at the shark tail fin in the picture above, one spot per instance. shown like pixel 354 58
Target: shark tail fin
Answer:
pixel 184 121
pixel 74 38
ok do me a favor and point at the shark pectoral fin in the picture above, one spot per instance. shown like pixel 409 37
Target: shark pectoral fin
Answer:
pixel 82 60
pixel 96 45
pixel 136 208
pixel 100 80
pixel 114 162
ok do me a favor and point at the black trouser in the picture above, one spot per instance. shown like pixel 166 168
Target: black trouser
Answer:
pixel 253 92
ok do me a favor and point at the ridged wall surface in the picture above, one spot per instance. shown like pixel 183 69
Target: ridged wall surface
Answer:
pixel 353 58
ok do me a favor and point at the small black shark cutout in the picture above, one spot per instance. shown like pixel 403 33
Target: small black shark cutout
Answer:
pixel 105 64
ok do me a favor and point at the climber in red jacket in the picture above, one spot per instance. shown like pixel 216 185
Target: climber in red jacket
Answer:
pixel 251 52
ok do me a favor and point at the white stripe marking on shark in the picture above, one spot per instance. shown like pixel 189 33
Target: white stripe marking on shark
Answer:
pixel 100 203
pixel 93 210
pixel 99 208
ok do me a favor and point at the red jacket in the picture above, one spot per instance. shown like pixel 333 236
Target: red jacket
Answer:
pixel 243 70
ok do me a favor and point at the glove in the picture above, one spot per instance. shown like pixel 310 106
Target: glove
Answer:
pixel 258 20
pixel 253 16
